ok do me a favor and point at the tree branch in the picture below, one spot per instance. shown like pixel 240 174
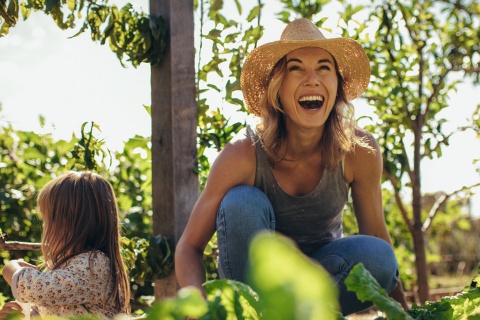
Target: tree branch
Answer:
pixel 410 30
pixel 436 88
pixel 17 245
pixel 439 203
pixel 407 161
pixel 467 70
pixel 421 115
pixel 399 201
pixel 434 210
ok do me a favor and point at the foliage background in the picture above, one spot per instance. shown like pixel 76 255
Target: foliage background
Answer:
pixel 29 159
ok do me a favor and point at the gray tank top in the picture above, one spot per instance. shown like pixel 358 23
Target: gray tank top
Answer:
pixel 311 220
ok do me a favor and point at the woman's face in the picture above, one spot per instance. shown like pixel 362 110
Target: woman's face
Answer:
pixel 309 88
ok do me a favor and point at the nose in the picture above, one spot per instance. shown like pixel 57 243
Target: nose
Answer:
pixel 312 79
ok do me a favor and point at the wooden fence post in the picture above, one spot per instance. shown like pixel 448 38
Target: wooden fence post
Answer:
pixel 174 123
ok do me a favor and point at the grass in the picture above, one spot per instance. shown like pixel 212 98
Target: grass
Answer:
pixel 450 281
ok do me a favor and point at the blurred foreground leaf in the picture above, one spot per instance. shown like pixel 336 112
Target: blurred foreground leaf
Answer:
pixel 187 303
pixel 290 286
pixel 237 300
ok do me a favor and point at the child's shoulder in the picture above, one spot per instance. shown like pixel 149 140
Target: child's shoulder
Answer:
pixel 97 258
pixel 94 254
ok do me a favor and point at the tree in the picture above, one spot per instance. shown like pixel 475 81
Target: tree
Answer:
pixel 140 37
pixel 415 49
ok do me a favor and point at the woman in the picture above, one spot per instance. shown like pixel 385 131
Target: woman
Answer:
pixel 291 173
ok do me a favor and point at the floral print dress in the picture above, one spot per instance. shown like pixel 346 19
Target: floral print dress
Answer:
pixel 73 289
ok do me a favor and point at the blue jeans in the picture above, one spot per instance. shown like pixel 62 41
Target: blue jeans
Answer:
pixel 245 210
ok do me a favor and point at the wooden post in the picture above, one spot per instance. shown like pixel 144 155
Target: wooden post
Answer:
pixel 174 123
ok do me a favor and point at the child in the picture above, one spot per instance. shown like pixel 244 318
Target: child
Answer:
pixel 84 272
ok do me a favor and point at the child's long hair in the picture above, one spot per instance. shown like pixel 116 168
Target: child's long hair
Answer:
pixel 81 215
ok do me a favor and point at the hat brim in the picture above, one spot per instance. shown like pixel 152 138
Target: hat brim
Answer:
pixel 352 63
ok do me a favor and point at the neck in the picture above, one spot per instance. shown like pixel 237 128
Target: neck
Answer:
pixel 302 143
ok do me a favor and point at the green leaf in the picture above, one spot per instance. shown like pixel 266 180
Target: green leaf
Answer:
pixel 236 297
pixel 432 311
pixel 191 303
pixel 476 279
pixel 239 6
pixel 32 153
pixel 367 288
pixel 160 256
pixel 253 13
pixel 50 4
pixel 187 303
pixel 299 289
pixel 12 12
pixel 148 109
pixel 216 6
pixel 464 304
pixel 25 11
pixel 71 4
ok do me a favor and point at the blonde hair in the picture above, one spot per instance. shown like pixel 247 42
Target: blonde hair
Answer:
pixel 81 215
pixel 340 134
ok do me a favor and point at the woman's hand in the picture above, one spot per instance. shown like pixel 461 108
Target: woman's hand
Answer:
pixel 10 308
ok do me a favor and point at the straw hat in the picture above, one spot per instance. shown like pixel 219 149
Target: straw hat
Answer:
pixel 352 61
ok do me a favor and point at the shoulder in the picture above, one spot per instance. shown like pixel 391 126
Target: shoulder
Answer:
pixel 235 165
pixel 364 159
pixel 245 138
pixel 96 260
pixel 239 150
pixel 95 255
pixel 367 145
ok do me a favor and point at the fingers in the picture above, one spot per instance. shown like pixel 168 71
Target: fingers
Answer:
pixel 12 305
pixel 22 263
pixel 9 308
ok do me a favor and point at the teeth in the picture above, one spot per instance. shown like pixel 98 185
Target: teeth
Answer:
pixel 311 98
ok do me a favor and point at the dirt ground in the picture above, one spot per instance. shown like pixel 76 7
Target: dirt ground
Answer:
pixel 369 314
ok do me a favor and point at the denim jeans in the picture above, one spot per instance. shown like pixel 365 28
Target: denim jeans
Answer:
pixel 245 210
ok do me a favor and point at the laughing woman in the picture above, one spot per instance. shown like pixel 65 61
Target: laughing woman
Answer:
pixel 293 171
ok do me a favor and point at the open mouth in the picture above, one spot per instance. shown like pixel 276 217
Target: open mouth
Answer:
pixel 311 102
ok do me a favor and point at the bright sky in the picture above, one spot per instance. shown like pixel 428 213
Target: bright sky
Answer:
pixel 72 81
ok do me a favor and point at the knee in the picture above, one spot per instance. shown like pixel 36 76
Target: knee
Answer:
pixel 384 266
pixel 245 199
pixel 246 205
pixel 376 255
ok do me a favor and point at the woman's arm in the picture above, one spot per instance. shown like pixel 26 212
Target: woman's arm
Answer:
pixel 235 165
pixel 363 169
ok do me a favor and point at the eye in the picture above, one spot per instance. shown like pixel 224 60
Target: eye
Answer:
pixel 294 68
pixel 324 67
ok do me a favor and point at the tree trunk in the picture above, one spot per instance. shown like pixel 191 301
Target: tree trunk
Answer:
pixel 421 264
pixel 418 234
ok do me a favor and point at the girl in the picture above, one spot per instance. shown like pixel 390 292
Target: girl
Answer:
pixel 292 172
pixel 83 269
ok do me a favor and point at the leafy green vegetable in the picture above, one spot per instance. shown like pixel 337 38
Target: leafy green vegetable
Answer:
pixel 187 303
pixel 432 311
pixel 290 286
pixel 367 289
pixel 237 299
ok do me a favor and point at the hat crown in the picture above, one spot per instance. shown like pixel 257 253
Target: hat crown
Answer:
pixel 301 29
